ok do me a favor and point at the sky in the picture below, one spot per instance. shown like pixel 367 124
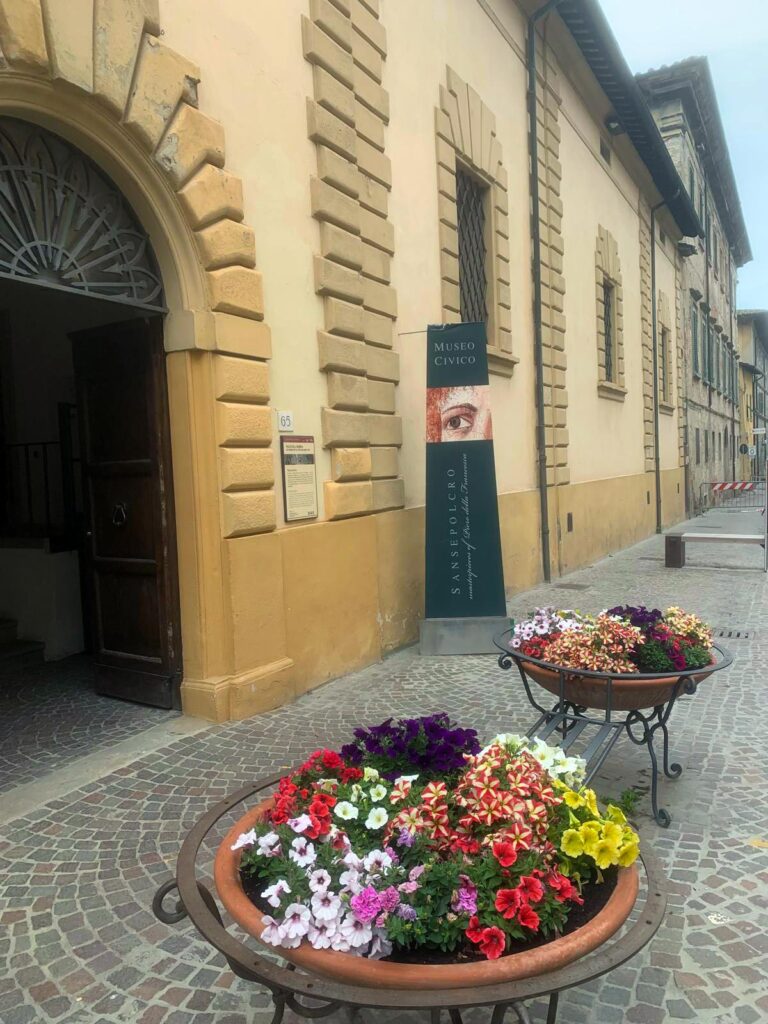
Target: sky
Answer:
pixel 734 36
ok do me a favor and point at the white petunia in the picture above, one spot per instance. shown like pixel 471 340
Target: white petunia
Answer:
pixel 355 792
pixel 325 906
pixel 350 881
pixel 328 785
pixel 321 934
pixel 370 774
pixel 351 859
pixel 244 839
pixel 300 824
pixel 377 861
pixel 377 793
pixel 406 778
pixel 319 880
pixel 269 845
pixel 381 946
pixel 303 852
pixel 357 933
pixel 296 922
pixel 377 818
pixel 273 893
pixel 272 933
pixel 345 810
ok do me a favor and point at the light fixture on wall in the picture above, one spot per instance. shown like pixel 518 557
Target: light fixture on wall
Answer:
pixel 613 125
pixel 686 249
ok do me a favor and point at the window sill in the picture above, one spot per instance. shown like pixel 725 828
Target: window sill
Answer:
pixel 666 408
pixel 501 363
pixel 614 392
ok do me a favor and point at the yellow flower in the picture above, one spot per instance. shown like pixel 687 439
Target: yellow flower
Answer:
pixel 572 844
pixel 590 833
pixel 628 854
pixel 616 814
pixel 606 853
pixel 612 832
pixel 591 801
pixel 573 799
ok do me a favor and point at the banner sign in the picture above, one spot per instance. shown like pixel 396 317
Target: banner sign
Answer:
pixel 464 576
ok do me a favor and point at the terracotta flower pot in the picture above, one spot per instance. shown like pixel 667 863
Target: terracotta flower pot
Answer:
pixel 628 694
pixel 356 970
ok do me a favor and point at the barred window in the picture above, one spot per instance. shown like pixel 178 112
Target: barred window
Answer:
pixel 665 383
pixel 695 339
pixel 609 316
pixel 698 447
pixel 470 208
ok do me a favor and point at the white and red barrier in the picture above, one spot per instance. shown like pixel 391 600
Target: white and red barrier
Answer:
pixel 734 485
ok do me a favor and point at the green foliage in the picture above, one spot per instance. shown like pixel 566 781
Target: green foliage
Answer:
pixel 697 657
pixel 652 657
pixel 627 802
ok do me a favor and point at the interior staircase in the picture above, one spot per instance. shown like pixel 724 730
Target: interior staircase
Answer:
pixel 17 655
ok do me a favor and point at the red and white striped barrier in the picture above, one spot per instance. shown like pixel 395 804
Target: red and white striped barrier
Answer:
pixel 735 485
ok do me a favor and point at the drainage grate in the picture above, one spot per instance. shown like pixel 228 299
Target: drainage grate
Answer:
pixel 571 586
pixel 733 633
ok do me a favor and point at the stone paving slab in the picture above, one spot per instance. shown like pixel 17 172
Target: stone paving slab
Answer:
pixel 77 877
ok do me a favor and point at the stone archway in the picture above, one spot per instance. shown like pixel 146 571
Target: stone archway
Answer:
pixel 99 76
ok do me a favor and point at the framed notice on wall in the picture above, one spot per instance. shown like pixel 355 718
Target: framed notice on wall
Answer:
pixel 297 456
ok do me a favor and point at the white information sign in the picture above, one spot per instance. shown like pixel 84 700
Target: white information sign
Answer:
pixel 285 422
pixel 297 455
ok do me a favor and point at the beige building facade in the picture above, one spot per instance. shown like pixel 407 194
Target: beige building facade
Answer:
pixel 305 177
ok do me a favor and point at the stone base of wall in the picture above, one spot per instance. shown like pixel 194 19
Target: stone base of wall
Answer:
pixel 310 603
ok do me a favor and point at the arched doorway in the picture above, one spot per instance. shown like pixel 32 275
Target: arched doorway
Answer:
pixel 86 494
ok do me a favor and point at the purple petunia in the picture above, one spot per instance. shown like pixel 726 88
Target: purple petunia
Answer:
pixel 432 744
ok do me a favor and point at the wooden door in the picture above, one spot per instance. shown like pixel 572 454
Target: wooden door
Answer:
pixel 129 548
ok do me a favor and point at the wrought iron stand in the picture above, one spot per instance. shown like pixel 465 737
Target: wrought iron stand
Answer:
pixel 566 721
pixel 289 987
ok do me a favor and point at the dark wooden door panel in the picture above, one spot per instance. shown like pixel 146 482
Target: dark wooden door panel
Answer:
pixel 129 551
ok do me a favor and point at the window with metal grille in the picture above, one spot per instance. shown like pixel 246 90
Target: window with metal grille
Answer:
pixel 470 207
pixel 698 447
pixel 609 320
pixel 665 364
pixel 695 339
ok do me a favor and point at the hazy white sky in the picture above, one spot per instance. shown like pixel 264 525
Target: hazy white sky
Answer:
pixel 734 36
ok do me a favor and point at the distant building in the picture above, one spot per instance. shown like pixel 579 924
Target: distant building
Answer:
pixel 683 101
pixel 753 350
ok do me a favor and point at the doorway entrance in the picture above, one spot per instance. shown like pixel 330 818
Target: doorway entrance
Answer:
pixel 87 528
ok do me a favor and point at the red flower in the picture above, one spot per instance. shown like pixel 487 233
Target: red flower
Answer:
pixel 531 890
pixel 508 902
pixel 331 759
pixel 473 931
pixel 350 774
pixel 466 845
pixel 504 852
pixel 528 917
pixel 493 942
pixel 339 841
pixel 315 830
pixel 563 888
pixel 303 793
pixel 324 798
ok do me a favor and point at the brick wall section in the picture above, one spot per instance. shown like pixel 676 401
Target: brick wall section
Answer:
pixel 550 215
pixel 466 133
pixel 346 119
pixel 646 325
pixel 608 265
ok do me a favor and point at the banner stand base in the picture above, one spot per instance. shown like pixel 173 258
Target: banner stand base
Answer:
pixel 461 636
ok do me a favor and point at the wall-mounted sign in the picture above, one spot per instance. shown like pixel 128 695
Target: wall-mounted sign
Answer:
pixel 285 422
pixel 464 577
pixel 297 456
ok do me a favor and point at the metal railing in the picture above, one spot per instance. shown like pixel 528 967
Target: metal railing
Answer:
pixel 732 494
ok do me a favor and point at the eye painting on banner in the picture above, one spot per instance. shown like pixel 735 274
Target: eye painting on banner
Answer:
pixel 459 414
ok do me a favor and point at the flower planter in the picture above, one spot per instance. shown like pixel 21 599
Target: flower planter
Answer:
pixel 628 694
pixel 355 970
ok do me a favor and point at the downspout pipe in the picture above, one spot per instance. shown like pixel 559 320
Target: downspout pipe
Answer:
pixel 654 334
pixel 538 342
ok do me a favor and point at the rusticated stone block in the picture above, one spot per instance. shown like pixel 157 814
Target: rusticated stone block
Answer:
pixel 381 396
pixel 241 336
pixel 116 46
pixel 212 195
pixel 382 364
pixel 238 424
pixel 384 462
pixel 320 49
pixel 191 140
pixel 341 246
pixel 338 171
pixel 377 231
pixel 226 243
pixel 246 469
pixel 388 494
pixel 342 354
pixel 350 464
pixel 22 34
pixel 240 380
pixel 384 430
pixel 328 203
pixel 328 17
pixel 333 279
pixel 236 290
pixel 326 129
pixel 344 429
pixel 351 499
pixel 244 512
pixel 380 298
pixel 162 79
pixel 344 318
pixel 379 330
pixel 334 95
pixel 347 391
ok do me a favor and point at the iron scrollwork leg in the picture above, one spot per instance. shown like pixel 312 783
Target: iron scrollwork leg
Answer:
pixel 649 724
pixel 167 916
pixel 554 999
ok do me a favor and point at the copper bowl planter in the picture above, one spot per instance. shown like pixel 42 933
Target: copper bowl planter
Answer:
pixel 356 970
pixel 629 693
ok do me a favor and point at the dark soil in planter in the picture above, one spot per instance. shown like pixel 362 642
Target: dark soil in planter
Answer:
pixel 595 898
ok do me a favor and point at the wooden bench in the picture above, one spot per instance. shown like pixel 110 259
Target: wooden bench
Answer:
pixel 674 544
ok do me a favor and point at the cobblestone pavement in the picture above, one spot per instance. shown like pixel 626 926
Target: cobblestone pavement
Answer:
pixel 77 878
pixel 51 716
